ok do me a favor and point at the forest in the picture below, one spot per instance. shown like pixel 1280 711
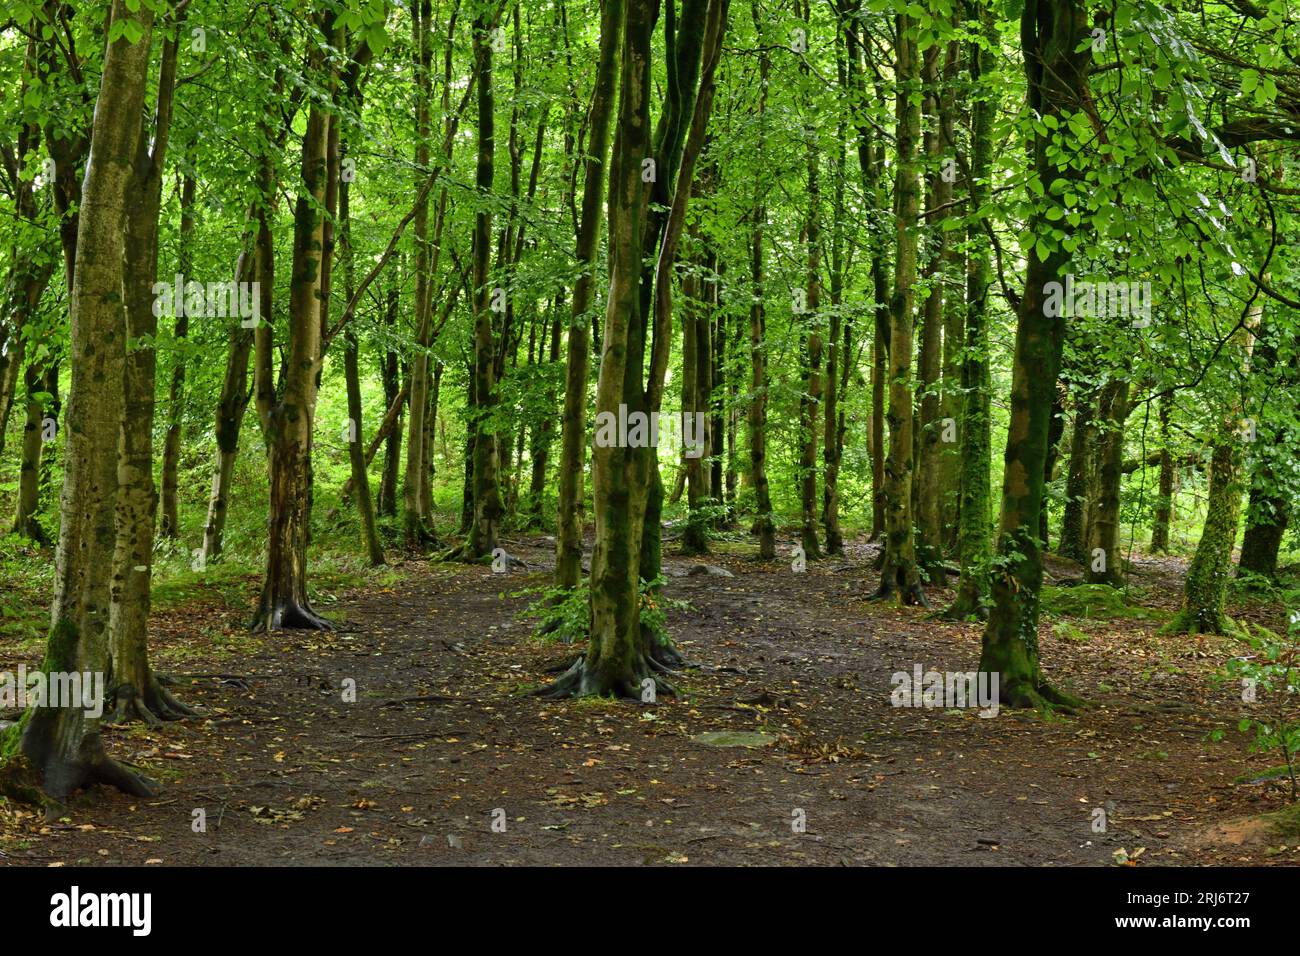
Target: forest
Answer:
pixel 649 432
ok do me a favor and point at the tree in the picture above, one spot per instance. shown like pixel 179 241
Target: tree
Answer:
pixel 1056 72
pixel 58 748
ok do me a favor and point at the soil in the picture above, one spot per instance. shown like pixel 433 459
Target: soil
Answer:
pixel 442 758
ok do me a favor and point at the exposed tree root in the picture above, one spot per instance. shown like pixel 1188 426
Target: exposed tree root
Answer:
pixel 581 681
pixel 665 657
pixel 564 665
pixel 288 615
pixel 153 707
pixel 912 595
pixel 1040 696
pixel 48 779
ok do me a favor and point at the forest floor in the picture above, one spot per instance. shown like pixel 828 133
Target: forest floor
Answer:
pixel 442 740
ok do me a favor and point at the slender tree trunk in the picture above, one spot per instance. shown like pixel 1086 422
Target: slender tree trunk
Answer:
pixel 169 521
pixel 1165 499
pixel 387 505
pixel 1074 526
pixel 1104 564
pixel 568 539
pixel 284 602
pixel 975 426
pixel 416 520
pixel 899 572
pixel 810 397
pixel 352 375
pixel 38 382
pixel 938 196
pixel 695 321
pixel 482 539
pixel 756 420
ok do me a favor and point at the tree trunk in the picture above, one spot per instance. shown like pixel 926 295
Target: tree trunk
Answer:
pixel 1103 564
pixel 975 426
pixel 810 396
pixel 169 521
pixel 134 692
pixel 756 420
pixel 416 521
pixel 1206 583
pixel 284 602
pixel 351 372
pixel 930 360
pixel 1073 540
pixel 695 321
pixel 387 505
pixel 899 573
pixel 61 748
pixel 1056 78
pixel 568 538
pixel 1165 499
pixel 482 539
pixel 38 382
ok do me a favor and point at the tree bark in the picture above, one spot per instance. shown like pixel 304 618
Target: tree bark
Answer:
pixel 1056 70
pixel 569 530
pixel 975 439
pixel 169 520
pixel 486 490
pixel 284 602
pixel 900 575
pixel 61 748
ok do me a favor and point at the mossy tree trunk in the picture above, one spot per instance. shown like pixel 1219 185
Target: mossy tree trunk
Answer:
pixel 360 484
pixel 900 575
pixel 1206 584
pixel 810 396
pixel 695 349
pixel 928 487
pixel 1056 68
pixel 975 439
pixel 61 748
pixel 614 662
pixel 40 387
pixel 1073 539
pixel 569 530
pixel 290 415
pixel 621 658
pixel 133 690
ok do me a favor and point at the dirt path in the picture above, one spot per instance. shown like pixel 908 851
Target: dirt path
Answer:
pixel 286 771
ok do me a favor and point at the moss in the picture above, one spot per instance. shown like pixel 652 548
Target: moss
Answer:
pixel 1093 601
pixel 61 651
pixel 11 738
pixel 1285 823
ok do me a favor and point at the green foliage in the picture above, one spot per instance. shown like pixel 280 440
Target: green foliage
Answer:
pixel 1269 675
